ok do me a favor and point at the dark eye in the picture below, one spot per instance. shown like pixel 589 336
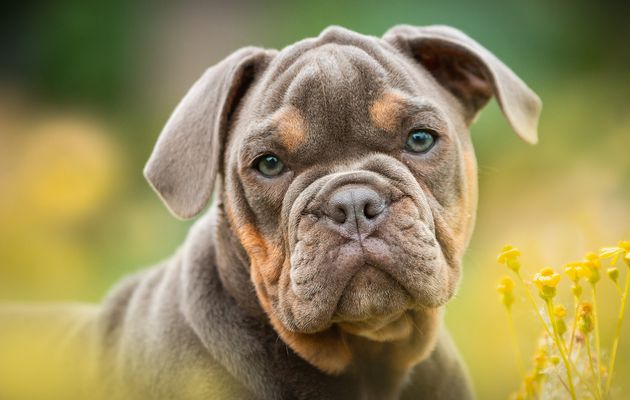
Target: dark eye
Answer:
pixel 269 165
pixel 420 141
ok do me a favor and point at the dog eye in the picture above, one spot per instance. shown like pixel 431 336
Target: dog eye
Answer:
pixel 420 141
pixel 269 165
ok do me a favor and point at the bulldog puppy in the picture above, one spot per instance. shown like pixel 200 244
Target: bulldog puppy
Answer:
pixel 347 196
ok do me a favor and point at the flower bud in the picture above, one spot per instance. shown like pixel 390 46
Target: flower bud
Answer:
pixel 514 264
pixel 561 326
pixel 613 274
pixel 585 324
pixel 505 287
pixel 559 311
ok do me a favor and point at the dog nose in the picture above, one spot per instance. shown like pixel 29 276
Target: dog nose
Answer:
pixel 355 208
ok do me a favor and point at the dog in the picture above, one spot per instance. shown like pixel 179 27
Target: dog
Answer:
pixel 346 198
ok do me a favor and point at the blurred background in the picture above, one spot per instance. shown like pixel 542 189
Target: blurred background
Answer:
pixel 85 88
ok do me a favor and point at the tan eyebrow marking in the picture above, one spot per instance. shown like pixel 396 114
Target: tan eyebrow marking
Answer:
pixel 386 110
pixel 291 127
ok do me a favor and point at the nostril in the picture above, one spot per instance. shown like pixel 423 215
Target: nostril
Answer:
pixel 373 209
pixel 339 214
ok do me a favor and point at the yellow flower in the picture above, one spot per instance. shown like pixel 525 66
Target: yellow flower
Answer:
pixel 509 257
pixel 592 262
pixel 614 253
pixel 540 359
pixel 505 287
pixel 576 271
pixel 547 280
pixel 585 308
pixel 585 317
pixel 559 311
pixel 530 384
pixel 547 277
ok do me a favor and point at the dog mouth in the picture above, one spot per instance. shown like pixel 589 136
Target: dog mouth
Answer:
pixel 371 299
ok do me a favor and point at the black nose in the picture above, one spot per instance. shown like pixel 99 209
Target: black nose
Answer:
pixel 355 209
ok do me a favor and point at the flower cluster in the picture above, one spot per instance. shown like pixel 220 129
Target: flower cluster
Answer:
pixel 569 356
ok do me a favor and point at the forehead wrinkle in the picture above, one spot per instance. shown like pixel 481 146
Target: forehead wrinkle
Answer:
pixel 334 65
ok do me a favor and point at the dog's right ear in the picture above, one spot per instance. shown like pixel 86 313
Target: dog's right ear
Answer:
pixel 187 156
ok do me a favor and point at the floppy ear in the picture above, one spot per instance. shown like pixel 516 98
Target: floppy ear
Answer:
pixel 187 156
pixel 471 73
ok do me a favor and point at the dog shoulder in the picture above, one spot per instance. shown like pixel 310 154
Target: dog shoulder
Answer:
pixel 147 347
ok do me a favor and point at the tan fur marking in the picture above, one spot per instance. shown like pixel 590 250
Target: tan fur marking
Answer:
pixel 325 350
pixel 291 127
pixel 469 205
pixel 263 254
pixel 471 170
pixel 386 110
pixel 397 328
pixel 407 353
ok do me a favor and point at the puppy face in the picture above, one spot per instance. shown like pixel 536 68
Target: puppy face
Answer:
pixel 354 226
pixel 349 176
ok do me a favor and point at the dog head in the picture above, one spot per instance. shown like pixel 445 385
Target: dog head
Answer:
pixel 348 176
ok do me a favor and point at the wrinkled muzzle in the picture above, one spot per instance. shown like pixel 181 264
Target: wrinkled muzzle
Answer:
pixel 363 249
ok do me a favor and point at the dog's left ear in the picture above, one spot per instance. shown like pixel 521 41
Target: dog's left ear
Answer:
pixel 185 161
pixel 471 73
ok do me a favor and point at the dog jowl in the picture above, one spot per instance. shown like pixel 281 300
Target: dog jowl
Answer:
pixel 348 182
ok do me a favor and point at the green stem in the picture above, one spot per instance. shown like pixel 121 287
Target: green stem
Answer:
pixel 618 289
pixel 576 302
pixel 615 345
pixel 597 341
pixel 517 349
pixel 533 304
pixel 592 365
pixel 561 349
